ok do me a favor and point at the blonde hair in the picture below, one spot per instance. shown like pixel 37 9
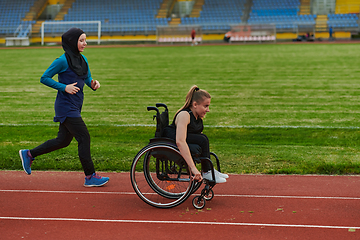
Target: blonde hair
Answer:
pixel 195 94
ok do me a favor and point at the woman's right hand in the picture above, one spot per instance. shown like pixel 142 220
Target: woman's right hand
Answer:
pixel 197 175
pixel 71 88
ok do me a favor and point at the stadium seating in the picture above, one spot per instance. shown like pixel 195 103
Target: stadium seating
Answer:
pixel 343 20
pixel 284 21
pixel 118 15
pixel 217 15
pixel 139 16
pixel 275 7
pixel 283 13
pixel 12 13
pixel 347 6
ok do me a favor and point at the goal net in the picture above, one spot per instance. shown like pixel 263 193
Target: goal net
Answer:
pixel 178 34
pixel 57 28
pixel 253 33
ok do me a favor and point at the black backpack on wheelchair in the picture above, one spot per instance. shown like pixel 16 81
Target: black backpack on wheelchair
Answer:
pixel 160 175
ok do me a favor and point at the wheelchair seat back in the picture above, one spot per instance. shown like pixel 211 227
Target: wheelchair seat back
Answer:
pixel 162 119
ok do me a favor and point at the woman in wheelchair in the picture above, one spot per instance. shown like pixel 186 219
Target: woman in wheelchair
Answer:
pixel 187 128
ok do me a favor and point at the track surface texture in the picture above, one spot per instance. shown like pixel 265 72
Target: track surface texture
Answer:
pixel 55 205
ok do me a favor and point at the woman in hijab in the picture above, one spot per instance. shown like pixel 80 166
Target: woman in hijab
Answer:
pixel 73 73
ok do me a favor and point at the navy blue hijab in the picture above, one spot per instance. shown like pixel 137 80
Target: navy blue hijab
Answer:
pixel 70 45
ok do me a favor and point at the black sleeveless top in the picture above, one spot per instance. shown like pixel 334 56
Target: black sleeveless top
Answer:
pixel 195 126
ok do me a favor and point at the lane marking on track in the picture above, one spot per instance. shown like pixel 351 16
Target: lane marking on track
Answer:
pixel 294 197
pixel 218 195
pixel 177 222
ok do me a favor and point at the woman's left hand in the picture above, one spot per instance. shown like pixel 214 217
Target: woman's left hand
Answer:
pixel 95 84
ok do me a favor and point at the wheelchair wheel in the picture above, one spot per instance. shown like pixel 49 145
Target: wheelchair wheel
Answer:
pixel 165 170
pixel 196 187
pixel 198 202
pixel 160 176
pixel 209 195
pixel 158 186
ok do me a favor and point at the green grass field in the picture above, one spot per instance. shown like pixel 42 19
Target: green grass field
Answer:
pixel 275 108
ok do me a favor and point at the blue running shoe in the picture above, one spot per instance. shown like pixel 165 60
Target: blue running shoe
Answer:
pixel 26 160
pixel 95 181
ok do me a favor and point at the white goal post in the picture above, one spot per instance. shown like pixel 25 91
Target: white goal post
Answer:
pixel 80 24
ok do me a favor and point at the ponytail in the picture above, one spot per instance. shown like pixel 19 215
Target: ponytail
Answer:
pixel 195 94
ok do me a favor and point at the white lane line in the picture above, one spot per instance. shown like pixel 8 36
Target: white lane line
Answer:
pixel 177 222
pixel 294 197
pixel 217 195
pixel 66 192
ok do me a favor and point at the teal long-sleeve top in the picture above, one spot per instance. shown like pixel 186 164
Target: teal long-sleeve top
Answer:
pixel 66 105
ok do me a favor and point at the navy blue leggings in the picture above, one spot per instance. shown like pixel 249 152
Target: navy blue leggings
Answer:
pixel 70 128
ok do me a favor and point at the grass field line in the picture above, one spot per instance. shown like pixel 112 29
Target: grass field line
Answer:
pixel 217 195
pixel 206 126
pixel 178 222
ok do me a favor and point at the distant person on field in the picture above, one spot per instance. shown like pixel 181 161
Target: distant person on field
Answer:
pixel 227 36
pixel 193 34
pixel 187 128
pixel 73 73
pixel 330 33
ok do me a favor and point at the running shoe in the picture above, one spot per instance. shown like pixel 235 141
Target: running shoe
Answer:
pixel 223 175
pixel 26 160
pixel 218 179
pixel 95 181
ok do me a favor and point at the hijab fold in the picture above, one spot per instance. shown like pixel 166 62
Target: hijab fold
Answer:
pixel 70 45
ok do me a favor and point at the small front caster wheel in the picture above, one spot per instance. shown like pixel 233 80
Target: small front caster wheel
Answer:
pixel 198 202
pixel 209 195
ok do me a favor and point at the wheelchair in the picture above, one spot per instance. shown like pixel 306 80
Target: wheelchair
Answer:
pixel 160 175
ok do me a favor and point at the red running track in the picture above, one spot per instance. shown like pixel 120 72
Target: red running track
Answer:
pixel 55 205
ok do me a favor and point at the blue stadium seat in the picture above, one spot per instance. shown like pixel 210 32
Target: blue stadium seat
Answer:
pixel 140 15
pixel 343 20
pixel 218 14
pixel 124 15
pixel 12 14
pixel 283 13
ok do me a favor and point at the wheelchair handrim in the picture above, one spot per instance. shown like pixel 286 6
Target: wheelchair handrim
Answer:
pixel 155 186
pixel 138 191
